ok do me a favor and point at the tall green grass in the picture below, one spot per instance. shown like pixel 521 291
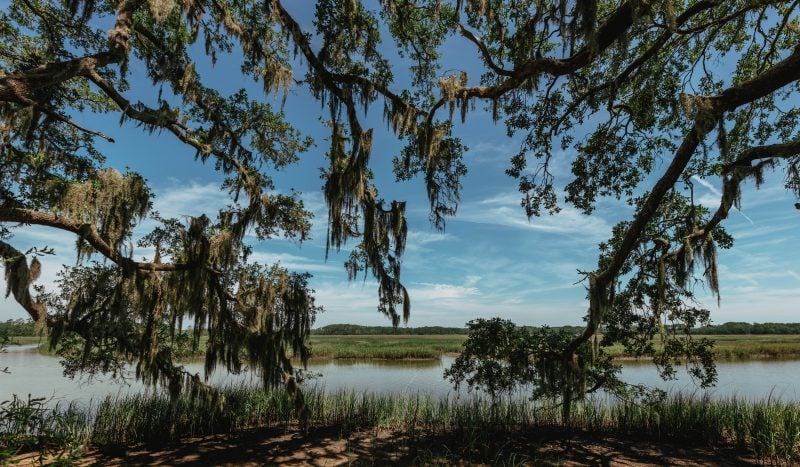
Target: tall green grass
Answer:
pixel 28 424
pixel 385 346
pixel 404 347
pixel 769 428
pixel 726 347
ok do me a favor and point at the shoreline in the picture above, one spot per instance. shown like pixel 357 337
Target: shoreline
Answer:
pixel 347 427
pixel 348 349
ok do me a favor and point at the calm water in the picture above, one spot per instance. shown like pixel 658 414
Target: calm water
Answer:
pixel 42 376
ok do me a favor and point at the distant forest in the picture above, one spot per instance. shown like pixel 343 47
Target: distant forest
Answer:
pixel 24 327
pixel 356 330
pixel 725 328
pixel 17 327
pixel 748 328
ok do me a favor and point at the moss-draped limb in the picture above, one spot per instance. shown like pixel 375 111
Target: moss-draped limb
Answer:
pixel 19 276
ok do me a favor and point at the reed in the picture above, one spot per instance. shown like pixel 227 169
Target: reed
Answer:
pixel 767 428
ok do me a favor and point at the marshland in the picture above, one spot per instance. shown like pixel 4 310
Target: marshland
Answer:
pixel 398 406
pixel 536 213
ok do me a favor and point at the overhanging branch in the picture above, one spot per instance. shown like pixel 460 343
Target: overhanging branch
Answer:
pixel 89 234
pixel 712 108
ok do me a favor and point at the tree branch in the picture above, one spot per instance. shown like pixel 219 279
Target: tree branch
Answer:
pixel 648 54
pixel 735 173
pixel 609 32
pixel 19 87
pixel 484 51
pixel 329 78
pixel 711 109
pixel 89 234
pixel 18 280
pixel 162 119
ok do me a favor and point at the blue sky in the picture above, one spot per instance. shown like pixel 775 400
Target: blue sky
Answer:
pixel 490 261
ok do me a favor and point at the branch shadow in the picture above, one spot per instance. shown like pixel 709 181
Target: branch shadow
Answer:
pixel 331 446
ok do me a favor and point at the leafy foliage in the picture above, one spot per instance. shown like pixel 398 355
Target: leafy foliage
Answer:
pixel 500 357
pixel 57 433
pixel 57 61
pixel 637 98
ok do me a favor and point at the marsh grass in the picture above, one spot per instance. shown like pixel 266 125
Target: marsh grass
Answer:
pixel 25 340
pixel 726 347
pixel 56 432
pixel 425 347
pixel 742 347
pixel 389 347
pixel 770 428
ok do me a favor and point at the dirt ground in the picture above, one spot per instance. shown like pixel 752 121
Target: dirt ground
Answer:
pixel 325 447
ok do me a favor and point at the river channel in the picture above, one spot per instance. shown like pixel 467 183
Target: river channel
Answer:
pixel 41 376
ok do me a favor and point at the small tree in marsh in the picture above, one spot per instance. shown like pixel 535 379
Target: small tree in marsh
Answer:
pixel 617 85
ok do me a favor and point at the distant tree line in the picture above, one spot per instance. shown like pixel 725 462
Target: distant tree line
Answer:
pixel 25 327
pixel 356 330
pixel 733 327
pixel 17 327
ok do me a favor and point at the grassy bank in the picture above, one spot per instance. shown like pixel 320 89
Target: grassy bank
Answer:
pixel 409 346
pixel 769 429
pixel 399 347
pixel 25 340
pixel 743 347
pixel 385 347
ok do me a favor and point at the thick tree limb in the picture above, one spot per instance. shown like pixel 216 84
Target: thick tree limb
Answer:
pixel 89 234
pixel 734 174
pixel 20 87
pixel 747 157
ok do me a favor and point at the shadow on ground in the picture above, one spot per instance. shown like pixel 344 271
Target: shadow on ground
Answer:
pixel 329 446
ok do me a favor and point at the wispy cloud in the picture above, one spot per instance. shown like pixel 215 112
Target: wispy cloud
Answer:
pixel 295 262
pixel 504 210
pixel 190 199
pixel 426 291
pixel 493 153
pixel 419 237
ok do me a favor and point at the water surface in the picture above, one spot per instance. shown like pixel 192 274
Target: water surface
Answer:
pixel 40 375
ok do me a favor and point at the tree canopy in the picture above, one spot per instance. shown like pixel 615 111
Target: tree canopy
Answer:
pixel 615 88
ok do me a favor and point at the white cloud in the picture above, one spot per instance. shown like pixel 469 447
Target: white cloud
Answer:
pixel 295 262
pixel 498 153
pixel 504 210
pixel 419 237
pixel 190 199
pixel 427 291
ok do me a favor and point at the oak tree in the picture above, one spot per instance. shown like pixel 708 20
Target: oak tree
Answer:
pixel 62 59
pixel 614 87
